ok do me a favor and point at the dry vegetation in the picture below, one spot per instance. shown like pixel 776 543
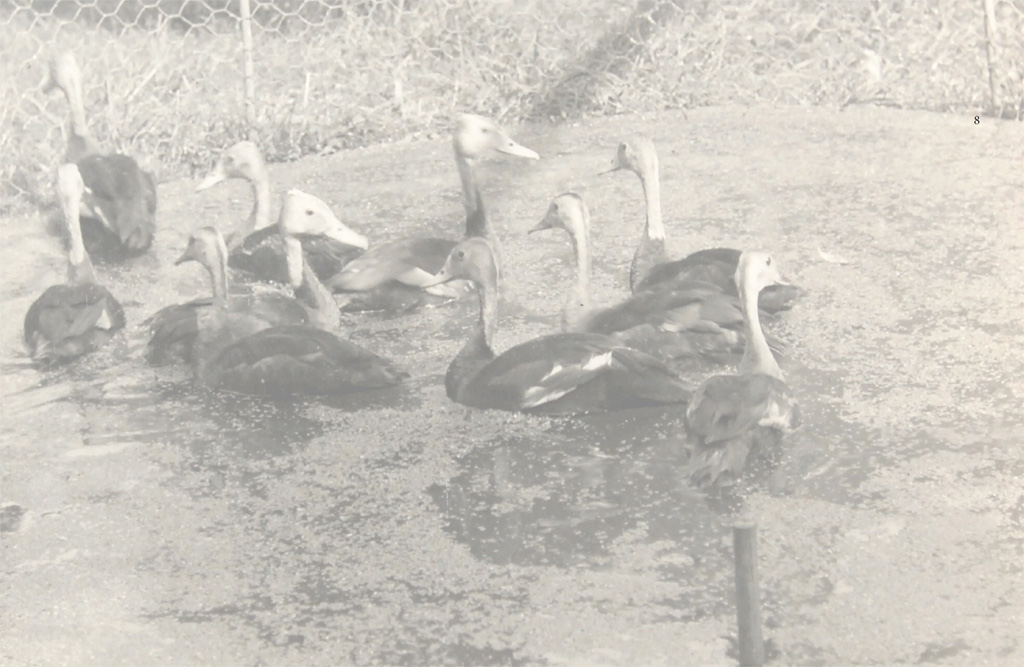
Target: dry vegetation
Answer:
pixel 164 80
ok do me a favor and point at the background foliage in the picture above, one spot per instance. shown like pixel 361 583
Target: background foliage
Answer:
pixel 164 83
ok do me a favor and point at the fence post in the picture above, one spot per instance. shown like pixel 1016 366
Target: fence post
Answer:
pixel 250 84
pixel 748 593
pixel 990 55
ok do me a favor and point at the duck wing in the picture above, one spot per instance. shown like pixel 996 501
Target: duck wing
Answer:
pixel 715 265
pixel 571 373
pixel 122 196
pixel 173 330
pixel 298 360
pixel 261 254
pixel 733 417
pixel 725 406
pixel 411 261
pixel 67 321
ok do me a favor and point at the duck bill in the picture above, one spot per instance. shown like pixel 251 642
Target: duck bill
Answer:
pixel 546 223
pixel 616 166
pixel 186 256
pixel 441 277
pixel 48 83
pixel 343 234
pixel 215 176
pixel 510 147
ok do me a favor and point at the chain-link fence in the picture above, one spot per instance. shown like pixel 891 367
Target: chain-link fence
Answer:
pixel 165 80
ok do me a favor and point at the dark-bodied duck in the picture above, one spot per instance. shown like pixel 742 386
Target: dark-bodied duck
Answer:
pixel 254 245
pixel 414 261
pixel 652 268
pixel 556 374
pixel 687 319
pixel 285 360
pixel 78 317
pixel 174 329
pixel 119 201
pixel 734 419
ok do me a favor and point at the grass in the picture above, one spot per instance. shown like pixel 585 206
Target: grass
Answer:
pixel 166 85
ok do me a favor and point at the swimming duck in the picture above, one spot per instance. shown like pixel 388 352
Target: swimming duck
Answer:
pixel 255 247
pixel 734 419
pixel 296 360
pixel 119 201
pixel 686 319
pixel 80 316
pixel 237 351
pixel 559 374
pixel 414 261
pixel 652 268
pixel 174 329
pixel 284 360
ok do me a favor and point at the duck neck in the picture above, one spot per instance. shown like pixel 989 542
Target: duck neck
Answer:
pixel 651 250
pixel 79 265
pixel 260 216
pixel 650 180
pixel 80 144
pixel 579 300
pixel 477 352
pixel 488 314
pixel 476 219
pixel 219 281
pixel 757 356
pixel 308 289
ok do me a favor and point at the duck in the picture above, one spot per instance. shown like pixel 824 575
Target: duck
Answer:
pixel 173 330
pixel 414 261
pixel 736 418
pixel 296 360
pixel 255 246
pixel 80 316
pixel 286 360
pixel 120 199
pixel 304 216
pixel 652 268
pixel 565 373
pixel 237 350
pixel 687 320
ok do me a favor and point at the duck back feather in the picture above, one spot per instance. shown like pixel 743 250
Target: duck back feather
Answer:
pixel 68 321
pixel 298 360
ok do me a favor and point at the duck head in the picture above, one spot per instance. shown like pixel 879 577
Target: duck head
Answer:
pixel 206 246
pixel 63 73
pixel 755 271
pixel 475 135
pixel 637 155
pixel 242 160
pixel 471 259
pixel 302 213
pixel 567 211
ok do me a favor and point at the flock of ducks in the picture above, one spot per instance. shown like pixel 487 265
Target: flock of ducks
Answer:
pixel 706 306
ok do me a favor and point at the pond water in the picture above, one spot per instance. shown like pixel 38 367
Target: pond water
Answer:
pixel 150 522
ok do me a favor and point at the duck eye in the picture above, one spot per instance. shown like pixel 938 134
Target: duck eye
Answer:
pixel 554 207
pixel 461 254
pixel 768 261
pixel 309 211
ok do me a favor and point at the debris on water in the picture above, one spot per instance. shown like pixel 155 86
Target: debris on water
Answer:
pixel 10 518
pixel 832 258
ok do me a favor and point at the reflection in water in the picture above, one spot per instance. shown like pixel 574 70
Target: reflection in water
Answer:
pixel 565 497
